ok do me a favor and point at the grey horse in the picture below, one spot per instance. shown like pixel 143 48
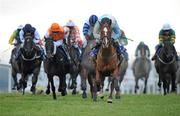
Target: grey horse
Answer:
pixel 141 69
pixel 87 68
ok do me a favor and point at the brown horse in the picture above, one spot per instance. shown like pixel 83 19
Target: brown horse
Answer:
pixel 107 62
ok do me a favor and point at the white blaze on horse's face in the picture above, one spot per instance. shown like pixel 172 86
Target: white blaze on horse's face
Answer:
pixel 105 31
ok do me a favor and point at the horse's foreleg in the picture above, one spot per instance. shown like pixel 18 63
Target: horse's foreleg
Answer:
pixel 95 83
pixel 117 88
pixel 23 82
pixel 34 81
pixel 107 89
pixel 52 87
pixel 173 80
pixel 145 84
pixel 136 84
pixel 83 82
pixel 74 83
pixel 112 88
pixel 14 76
pixel 100 88
pixel 63 85
pixel 164 86
pixel 48 87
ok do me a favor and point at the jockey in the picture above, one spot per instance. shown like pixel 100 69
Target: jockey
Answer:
pixel 72 35
pixel 57 33
pixel 116 36
pixel 15 40
pixel 89 26
pixel 165 34
pixel 140 46
pixel 29 30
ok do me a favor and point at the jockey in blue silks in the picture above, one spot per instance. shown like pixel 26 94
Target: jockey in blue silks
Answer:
pixel 116 36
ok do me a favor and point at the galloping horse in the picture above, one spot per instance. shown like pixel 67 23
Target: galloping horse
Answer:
pixel 55 64
pixel 166 66
pixel 87 68
pixel 30 64
pixel 75 65
pixel 107 62
pixel 141 69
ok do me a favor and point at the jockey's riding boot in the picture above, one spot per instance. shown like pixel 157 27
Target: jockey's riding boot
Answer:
pixel 122 50
pixel 94 51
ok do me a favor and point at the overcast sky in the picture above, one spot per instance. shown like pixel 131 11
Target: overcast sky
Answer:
pixel 140 19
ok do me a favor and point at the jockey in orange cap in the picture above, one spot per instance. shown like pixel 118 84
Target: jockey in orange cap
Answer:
pixel 57 33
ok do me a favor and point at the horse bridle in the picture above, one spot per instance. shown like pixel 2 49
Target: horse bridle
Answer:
pixel 164 62
pixel 106 35
pixel 25 50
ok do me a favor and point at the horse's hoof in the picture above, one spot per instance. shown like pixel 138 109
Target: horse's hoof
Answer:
pixel 135 91
pixel 109 101
pixel 144 92
pixel 117 97
pixel 84 95
pixel 64 92
pixel 59 90
pixel 102 97
pixel 54 97
pixel 94 100
pixel 74 92
pixel 14 88
pixel 47 92
pixel 71 87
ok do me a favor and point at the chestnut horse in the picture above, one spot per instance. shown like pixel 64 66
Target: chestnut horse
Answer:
pixel 107 62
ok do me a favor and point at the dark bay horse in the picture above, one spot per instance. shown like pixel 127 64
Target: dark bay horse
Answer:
pixel 87 68
pixel 166 66
pixel 75 65
pixel 55 64
pixel 141 69
pixel 107 62
pixel 30 63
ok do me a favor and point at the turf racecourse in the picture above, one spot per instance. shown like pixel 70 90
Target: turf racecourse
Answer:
pixel 15 104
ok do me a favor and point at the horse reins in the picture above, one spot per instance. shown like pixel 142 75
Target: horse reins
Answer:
pixel 166 62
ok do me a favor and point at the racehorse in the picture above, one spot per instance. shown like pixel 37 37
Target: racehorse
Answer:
pixel 55 64
pixel 166 66
pixel 123 68
pixel 30 64
pixel 107 62
pixel 75 65
pixel 87 68
pixel 141 69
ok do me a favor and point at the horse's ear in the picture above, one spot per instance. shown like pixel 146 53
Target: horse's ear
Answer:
pixel 110 22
